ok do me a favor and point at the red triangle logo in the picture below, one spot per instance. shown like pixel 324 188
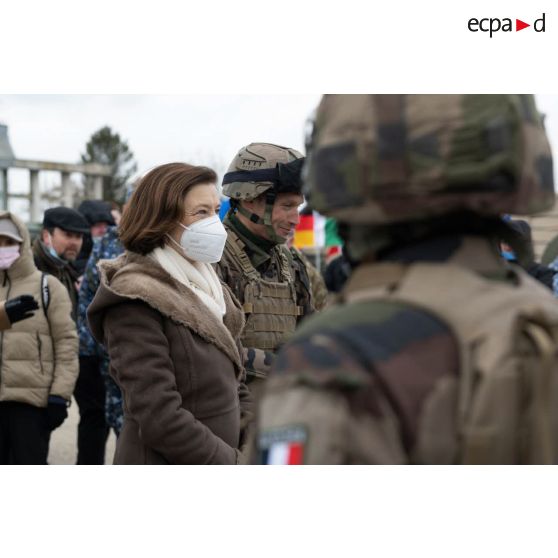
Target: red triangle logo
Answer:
pixel 519 25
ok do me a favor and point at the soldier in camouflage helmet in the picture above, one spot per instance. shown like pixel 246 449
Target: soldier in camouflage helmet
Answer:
pixel 271 281
pixel 439 352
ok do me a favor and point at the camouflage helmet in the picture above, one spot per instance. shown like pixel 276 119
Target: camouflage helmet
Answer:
pixel 380 159
pixel 259 167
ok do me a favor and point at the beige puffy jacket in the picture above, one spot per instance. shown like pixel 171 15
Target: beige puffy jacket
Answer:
pixel 4 320
pixel 38 358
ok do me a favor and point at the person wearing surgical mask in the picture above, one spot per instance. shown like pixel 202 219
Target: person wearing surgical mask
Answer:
pixel 23 306
pixel 57 247
pixel 172 328
pixel 38 356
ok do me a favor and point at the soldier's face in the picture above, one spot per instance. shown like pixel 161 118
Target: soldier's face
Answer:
pixel 284 217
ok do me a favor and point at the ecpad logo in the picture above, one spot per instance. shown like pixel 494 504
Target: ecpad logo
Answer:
pixel 493 25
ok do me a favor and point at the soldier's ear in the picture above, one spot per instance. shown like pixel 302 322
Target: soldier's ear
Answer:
pixel 253 205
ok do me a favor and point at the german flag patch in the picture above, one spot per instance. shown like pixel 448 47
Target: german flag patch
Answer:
pixel 282 446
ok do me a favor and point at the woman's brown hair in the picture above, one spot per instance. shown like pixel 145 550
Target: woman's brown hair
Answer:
pixel 157 204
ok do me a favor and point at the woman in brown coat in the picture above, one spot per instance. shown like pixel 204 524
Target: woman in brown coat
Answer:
pixel 171 328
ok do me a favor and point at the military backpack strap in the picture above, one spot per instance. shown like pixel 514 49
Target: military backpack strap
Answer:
pixel 542 377
pixel 287 263
pixel 235 249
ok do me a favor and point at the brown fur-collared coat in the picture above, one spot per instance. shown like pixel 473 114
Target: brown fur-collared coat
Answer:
pixel 179 368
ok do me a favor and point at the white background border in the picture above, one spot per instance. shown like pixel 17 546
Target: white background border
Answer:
pixel 288 47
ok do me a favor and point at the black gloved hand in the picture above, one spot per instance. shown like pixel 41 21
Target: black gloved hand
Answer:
pixel 20 308
pixel 57 411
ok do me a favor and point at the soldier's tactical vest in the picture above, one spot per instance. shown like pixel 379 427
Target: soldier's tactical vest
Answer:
pixel 270 307
pixel 507 337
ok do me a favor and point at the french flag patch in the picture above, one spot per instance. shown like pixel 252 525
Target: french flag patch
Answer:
pixel 282 446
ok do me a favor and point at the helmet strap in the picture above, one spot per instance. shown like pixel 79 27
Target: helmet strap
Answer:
pixel 270 196
pixel 266 219
pixel 250 216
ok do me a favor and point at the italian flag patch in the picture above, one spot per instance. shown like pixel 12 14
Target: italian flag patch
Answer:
pixel 282 446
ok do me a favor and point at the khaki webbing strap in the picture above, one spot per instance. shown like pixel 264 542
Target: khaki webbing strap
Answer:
pixel 265 340
pixel 542 393
pixel 275 290
pixel 235 248
pixel 267 345
pixel 266 328
pixel 259 308
pixel 287 264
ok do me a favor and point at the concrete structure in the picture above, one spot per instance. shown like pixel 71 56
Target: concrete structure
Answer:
pixel 8 160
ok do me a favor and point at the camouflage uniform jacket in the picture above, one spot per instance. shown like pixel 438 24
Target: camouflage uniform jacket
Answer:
pixel 363 381
pixel 268 260
pixel 106 248
pixel 317 283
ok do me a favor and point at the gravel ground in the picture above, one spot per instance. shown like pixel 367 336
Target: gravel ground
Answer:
pixel 63 441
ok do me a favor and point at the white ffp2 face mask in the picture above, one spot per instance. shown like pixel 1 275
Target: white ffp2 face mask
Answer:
pixel 204 240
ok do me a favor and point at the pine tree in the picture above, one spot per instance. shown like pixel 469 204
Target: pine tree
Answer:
pixel 107 148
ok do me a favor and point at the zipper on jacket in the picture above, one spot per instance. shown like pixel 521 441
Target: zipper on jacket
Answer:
pixel 6 280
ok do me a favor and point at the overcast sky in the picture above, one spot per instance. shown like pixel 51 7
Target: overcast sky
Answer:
pixel 201 129
pixel 159 129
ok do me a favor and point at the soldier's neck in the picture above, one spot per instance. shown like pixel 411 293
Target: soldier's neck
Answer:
pixel 472 251
pixel 242 229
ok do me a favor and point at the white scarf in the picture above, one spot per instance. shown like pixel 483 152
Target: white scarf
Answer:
pixel 199 277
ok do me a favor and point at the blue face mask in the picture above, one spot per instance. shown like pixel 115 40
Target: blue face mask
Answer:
pixel 53 252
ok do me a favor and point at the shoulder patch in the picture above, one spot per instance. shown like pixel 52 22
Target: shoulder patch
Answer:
pixel 282 446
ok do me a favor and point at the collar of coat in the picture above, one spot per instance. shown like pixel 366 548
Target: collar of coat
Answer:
pixel 140 277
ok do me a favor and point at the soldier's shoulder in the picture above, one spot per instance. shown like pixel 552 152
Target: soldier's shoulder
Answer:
pixel 299 262
pixel 375 315
pixel 344 343
pixel 228 261
pixel 296 253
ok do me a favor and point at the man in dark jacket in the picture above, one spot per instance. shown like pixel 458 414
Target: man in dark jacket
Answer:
pixel 98 215
pixel 58 246
pixel 98 396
